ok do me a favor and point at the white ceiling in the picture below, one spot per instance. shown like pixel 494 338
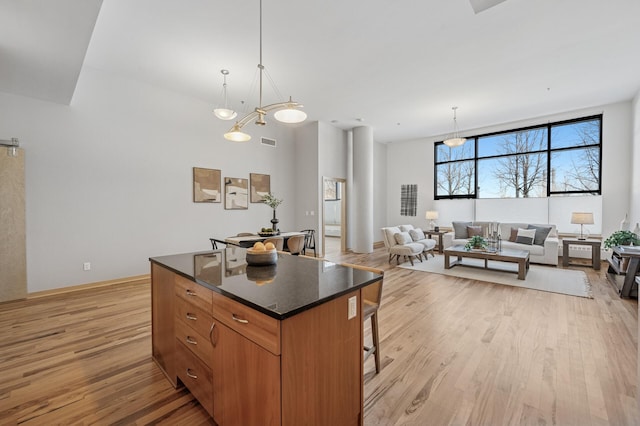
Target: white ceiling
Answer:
pixel 398 65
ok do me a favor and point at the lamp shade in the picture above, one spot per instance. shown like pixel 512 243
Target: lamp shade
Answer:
pixel 290 115
pixel 225 113
pixel 453 142
pixel 236 135
pixel 582 218
pixel 431 215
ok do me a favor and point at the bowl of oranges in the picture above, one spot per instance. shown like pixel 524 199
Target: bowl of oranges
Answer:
pixel 262 254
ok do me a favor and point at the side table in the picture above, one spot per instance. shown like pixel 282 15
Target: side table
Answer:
pixel 595 251
pixel 429 233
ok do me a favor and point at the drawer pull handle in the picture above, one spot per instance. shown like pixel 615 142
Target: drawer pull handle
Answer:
pixel 191 293
pixel 191 341
pixel 191 317
pixel 211 334
pixel 190 374
pixel 240 320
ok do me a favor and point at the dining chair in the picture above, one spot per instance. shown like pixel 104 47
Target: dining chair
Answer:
pixel 215 242
pixel 277 241
pixel 371 296
pixel 295 244
pixel 309 241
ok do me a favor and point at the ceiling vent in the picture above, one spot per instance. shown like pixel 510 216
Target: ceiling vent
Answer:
pixel 268 142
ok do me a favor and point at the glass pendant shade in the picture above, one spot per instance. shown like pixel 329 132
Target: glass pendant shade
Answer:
pixel 453 142
pixel 290 115
pixel 235 135
pixel 225 113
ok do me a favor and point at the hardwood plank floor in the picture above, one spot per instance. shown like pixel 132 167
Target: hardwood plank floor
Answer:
pixel 454 351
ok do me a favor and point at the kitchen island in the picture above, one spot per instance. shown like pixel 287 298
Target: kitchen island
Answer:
pixel 261 345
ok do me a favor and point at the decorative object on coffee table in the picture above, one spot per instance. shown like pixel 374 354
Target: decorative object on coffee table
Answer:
pixel 273 202
pixel 476 243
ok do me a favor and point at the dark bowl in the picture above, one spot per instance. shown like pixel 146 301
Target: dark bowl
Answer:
pixel 260 258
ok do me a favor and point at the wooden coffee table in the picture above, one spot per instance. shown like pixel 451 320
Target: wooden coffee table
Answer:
pixel 520 257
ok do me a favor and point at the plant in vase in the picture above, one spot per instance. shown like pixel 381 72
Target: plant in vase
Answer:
pixel 476 242
pixel 273 202
pixel 621 238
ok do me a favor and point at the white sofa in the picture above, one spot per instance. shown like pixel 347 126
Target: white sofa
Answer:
pixel 544 249
pixel 407 242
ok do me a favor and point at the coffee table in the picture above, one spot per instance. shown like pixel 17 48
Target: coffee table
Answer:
pixel 520 257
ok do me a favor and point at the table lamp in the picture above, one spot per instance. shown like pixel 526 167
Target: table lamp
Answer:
pixel 582 218
pixel 432 215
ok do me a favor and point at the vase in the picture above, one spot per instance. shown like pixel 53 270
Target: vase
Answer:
pixel 636 230
pixel 624 225
pixel 274 222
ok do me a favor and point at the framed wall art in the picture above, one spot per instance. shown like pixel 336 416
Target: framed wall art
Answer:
pixel 236 193
pixel 408 200
pixel 206 185
pixel 260 186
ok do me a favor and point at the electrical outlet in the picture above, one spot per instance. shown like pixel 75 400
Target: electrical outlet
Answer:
pixel 353 307
pixel 86 266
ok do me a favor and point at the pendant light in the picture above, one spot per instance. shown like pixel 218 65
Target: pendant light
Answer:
pixel 225 113
pixel 454 139
pixel 286 112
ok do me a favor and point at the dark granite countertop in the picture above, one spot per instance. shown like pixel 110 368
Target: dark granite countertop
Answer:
pixel 293 285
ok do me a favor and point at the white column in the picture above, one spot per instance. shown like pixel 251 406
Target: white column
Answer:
pixel 363 189
pixel 351 203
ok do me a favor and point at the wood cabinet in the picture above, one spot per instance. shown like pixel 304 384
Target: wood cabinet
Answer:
pixel 162 330
pixel 248 368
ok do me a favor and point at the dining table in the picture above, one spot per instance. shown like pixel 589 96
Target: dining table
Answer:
pixel 249 240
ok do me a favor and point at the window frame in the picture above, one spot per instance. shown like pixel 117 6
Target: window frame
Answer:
pixel 548 151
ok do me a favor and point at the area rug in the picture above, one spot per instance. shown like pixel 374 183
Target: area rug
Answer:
pixel 543 278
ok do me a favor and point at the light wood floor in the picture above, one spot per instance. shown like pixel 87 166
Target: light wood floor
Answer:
pixel 454 352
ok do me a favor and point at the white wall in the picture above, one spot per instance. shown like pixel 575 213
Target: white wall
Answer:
pixel 634 208
pixel 412 163
pixel 109 178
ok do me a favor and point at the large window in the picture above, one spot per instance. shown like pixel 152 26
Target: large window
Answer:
pixel 554 159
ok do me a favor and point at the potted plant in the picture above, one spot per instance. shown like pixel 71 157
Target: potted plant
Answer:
pixel 476 243
pixel 621 238
pixel 273 202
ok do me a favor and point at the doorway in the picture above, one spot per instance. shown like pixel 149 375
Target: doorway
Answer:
pixel 334 208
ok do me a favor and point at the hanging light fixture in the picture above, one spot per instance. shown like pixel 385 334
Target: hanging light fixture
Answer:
pixel 454 139
pixel 225 113
pixel 286 112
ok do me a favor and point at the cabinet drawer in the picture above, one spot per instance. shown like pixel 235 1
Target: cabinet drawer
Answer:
pixel 194 293
pixel 196 342
pixel 255 326
pixel 196 376
pixel 193 317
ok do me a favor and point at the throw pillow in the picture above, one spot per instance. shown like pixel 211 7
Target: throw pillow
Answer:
pixel 473 231
pixel 513 235
pixel 404 237
pixel 417 234
pixel 541 234
pixel 406 228
pixel 460 229
pixel 526 236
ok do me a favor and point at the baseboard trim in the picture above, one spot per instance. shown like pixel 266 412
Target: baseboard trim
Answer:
pixel 137 279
